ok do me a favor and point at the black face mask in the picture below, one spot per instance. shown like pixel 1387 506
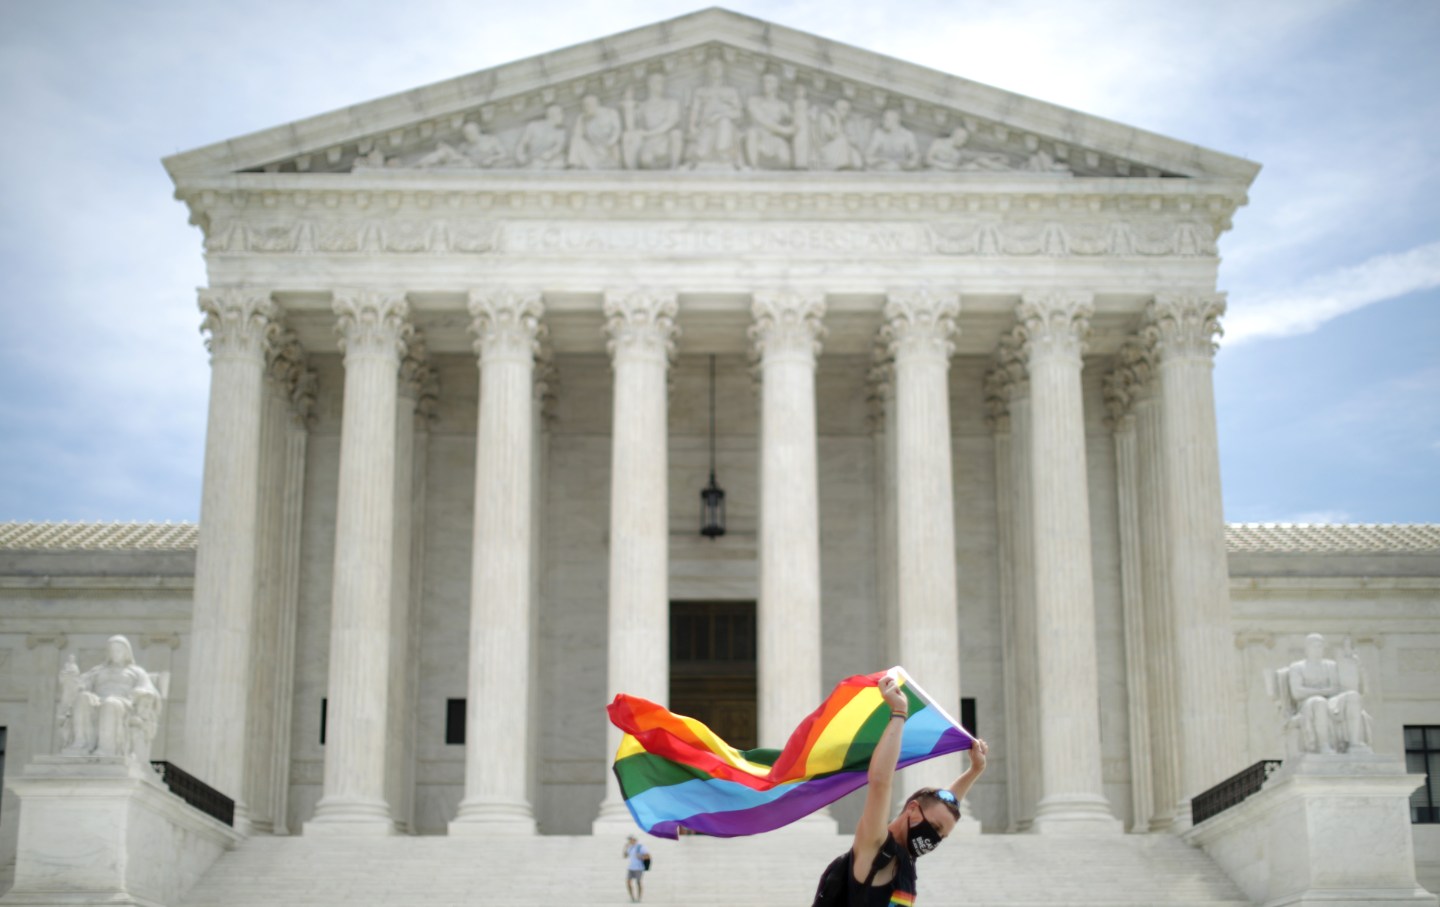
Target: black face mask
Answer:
pixel 923 838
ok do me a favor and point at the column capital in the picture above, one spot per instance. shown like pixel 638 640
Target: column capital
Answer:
pixel 506 323
pixel 1006 381
pixel 1129 381
pixel 788 322
pixel 238 320
pixel 419 381
pixel 290 374
pixel 920 321
pixel 1055 323
pixel 641 323
pixel 880 384
pixel 1185 323
pixel 371 322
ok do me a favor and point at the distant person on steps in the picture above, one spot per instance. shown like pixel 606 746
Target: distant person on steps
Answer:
pixel 636 853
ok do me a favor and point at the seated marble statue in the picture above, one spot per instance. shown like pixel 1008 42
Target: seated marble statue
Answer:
pixel 542 145
pixel 652 139
pixel 1322 702
pixel 113 709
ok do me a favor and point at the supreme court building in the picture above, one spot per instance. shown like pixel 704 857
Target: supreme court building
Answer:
pixel 476 349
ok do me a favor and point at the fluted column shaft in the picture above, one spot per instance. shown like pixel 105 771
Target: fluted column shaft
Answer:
pixel 787 333
pixel 1137 654
pixel 1159 615
pixel 507 329
pixel 918 328
pixel 238 322
pixel 260 764
pixel 373 330
pixel 641 325
pixel 1072 798
pixel 1009 395
pixel 1182 327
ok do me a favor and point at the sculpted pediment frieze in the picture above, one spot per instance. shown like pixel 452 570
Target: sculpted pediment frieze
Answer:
pixel 713 109
pixel 710 92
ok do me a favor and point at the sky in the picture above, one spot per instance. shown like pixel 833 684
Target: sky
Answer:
pixel 1328 379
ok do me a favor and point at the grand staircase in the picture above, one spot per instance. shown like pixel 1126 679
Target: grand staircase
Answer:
pixel 776 869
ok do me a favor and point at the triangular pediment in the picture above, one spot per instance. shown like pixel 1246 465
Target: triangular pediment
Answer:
pixel 710 91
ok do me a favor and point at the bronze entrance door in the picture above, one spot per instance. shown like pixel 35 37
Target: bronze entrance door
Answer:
pixel 712 667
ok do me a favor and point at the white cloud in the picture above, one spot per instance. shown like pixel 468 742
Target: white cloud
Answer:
pixel 1313 302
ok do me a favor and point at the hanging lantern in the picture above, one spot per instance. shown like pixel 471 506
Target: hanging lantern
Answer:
pixel 712 496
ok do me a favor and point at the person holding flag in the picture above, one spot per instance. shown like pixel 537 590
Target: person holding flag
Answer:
pixel 880 867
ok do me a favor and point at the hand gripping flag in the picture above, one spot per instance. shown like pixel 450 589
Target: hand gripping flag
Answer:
pixel 675 772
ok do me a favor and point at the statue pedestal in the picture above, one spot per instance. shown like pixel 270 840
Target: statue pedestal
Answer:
pixel 104 830
pixel 1325 829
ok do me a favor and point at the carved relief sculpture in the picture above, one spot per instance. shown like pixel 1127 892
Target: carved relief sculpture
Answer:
pixel 715 111
pixel 542 144
pixel 774 126
pixel 1321 701
pixel 892 146
pixel 478 150
pixel 113 709
pixel 595 139
pixel 652 138
pixel 838 137
pixel 948 152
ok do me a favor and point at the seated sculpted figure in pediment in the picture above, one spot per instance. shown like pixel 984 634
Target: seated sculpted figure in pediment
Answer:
pixel 595 138
pixel 542 145
pixel 478 150
pixel 652 139
pixel 715 111
pixel 113 709
pixel 892 146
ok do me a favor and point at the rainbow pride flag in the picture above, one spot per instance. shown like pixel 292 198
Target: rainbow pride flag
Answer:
pixel 674 772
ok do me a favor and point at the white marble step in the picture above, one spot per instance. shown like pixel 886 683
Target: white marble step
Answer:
pixel 1011 870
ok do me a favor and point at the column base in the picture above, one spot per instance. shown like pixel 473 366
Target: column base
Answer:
pixel 481 818
pixel 1075 815
pixel 350 818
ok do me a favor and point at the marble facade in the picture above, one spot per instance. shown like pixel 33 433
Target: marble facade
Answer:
pixel 460 347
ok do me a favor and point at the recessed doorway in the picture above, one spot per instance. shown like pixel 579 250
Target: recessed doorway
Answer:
pixel 712 667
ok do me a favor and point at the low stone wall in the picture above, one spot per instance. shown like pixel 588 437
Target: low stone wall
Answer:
pixel 104 830
pixel 1324 829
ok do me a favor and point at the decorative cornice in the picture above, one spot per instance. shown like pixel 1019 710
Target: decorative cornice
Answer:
pixel 742 219
pixel 640 322
pixel 372 323
pixel 1056 324
pixel 240 321
pixel 506 323
pixel 788 322
pixel 919 321
pixel 1185 324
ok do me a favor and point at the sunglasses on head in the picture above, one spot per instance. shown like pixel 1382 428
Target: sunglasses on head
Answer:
pixel 945 796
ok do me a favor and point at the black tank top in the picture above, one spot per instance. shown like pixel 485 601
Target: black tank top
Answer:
pixel 899 891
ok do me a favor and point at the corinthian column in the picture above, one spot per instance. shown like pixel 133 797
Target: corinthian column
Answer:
pixel 238 322
pixel 641 324
pixel 918 327
pixel 787 333
pixel 507 329
pixel 1183 328
pixel 1071 791
pixel 1008 388
pixel 373 330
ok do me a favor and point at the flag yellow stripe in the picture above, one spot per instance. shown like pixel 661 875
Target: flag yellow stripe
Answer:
pixel 828 753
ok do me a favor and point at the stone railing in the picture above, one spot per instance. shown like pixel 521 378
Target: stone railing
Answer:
pixel 1232 790
pixel 196 792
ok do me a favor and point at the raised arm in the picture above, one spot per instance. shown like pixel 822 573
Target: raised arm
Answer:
pixel 979 752
pixel 870 832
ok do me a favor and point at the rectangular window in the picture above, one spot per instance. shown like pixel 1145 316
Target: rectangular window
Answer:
pixel 1422 757
pixel 455 721
pixel 323 704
